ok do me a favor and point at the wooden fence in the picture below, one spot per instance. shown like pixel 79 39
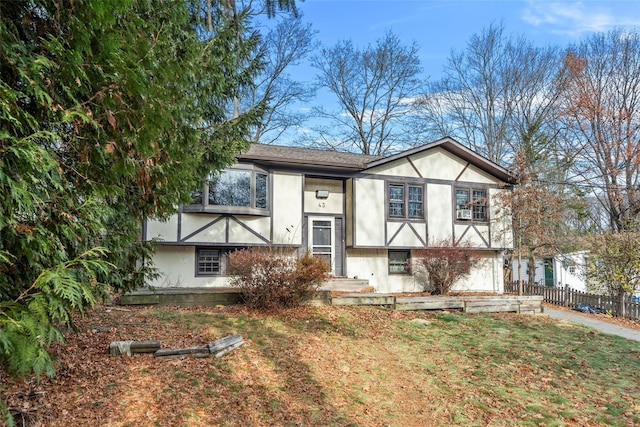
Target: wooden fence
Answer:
pixel 570 298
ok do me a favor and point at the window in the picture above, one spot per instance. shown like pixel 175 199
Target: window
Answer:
pixel 406 201
pixel 239 188
pixel 396 200
pixel 208 262
pixel 471 204
pixel 399 262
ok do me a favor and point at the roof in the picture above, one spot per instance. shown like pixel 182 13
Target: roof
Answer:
pixel 337 160
pixel 278 154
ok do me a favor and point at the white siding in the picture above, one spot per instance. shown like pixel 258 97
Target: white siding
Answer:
pixel 570 270
pixel 406 235
pixel 473 174
pixel 287 208
pixel 331 205
pixel 476 236
pixel 369 212
pixel 192 222
pixel 163 230
pixel 176 265
pixel 400 167
pixel 212 232
pixel 501 221
pixel 440 212
pixel 438 164
pixel 249 230
pixel 373 265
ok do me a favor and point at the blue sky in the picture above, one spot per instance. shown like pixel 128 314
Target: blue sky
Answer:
pixel 441 25
pixel 438 26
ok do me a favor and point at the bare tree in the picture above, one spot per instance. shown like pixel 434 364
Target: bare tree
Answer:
pixel 373 86
pixel 283 47
pixel 538 211
pixel 498 95
pixel 602 109
pixel 475 94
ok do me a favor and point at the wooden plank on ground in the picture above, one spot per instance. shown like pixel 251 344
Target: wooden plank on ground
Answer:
pixel 363 299
pixel 178 352
pixel 130 347
pixel 428 304
pixel 491 307
pixel 225 342
pixel 228 349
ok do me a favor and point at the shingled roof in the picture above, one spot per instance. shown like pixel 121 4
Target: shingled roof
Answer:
pixel 352 162
pixel 306 156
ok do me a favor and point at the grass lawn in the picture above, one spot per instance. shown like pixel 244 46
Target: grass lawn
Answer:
pixel 337 366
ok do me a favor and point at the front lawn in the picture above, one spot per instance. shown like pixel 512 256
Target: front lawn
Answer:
pixel 337 366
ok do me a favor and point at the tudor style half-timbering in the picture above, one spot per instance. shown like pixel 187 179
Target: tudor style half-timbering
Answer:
pixel 367 216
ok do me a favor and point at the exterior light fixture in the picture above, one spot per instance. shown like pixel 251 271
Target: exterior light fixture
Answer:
pixel 322 194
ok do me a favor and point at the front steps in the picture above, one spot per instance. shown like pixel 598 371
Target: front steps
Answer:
pixel 345 284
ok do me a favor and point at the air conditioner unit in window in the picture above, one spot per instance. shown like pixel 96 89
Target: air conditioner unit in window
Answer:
pixel 463 214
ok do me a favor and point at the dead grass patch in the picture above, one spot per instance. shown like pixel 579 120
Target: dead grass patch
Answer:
pixel 337 366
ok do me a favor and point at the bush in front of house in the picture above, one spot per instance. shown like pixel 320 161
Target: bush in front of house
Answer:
pixel 271 279
pixel 444 264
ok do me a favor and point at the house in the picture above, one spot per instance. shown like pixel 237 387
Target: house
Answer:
pixel 367 216
pixel 562 270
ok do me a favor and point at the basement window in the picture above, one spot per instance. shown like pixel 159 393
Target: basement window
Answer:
pixel 208 262
pixel 399 262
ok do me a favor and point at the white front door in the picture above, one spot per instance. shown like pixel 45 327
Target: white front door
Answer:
pixel 321 238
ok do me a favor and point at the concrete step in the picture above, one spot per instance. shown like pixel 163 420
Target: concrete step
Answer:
pixel 343 284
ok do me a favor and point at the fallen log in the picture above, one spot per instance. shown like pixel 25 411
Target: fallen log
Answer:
pixel 130 347
pixel 229 349
pixel 225 342
pixel 179 352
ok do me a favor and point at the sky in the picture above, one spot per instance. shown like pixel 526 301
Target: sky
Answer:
pixel 440 26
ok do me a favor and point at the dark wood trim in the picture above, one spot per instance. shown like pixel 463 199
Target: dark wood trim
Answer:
pixel 388 242
pixel 431 181
pixel 418 234
pixel 487 205
pixel 246 227
pixel 201 229
pixel 414 167
pixel 462 171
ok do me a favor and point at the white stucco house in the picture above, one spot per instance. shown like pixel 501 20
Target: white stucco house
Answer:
pixel 366 215
pixel 563 270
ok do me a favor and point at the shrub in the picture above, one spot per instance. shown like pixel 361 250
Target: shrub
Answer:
pixel 272 279
pixel 445 264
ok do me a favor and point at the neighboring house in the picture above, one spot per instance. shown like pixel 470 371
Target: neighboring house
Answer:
pixel 562 270
pixel 367 216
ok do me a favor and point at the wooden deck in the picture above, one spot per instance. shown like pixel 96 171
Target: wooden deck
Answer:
pixel 224 296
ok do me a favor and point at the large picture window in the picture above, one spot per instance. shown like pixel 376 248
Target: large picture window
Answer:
pixel 471 204
pixel 234 188
pixel 406 201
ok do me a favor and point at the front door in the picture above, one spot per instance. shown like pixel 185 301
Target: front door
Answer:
pixel 548 272
pixel 325 238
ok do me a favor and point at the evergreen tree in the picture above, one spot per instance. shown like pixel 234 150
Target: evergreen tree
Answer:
pixel 110 113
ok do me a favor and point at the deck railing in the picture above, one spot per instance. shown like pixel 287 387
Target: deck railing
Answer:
pixel 569 297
